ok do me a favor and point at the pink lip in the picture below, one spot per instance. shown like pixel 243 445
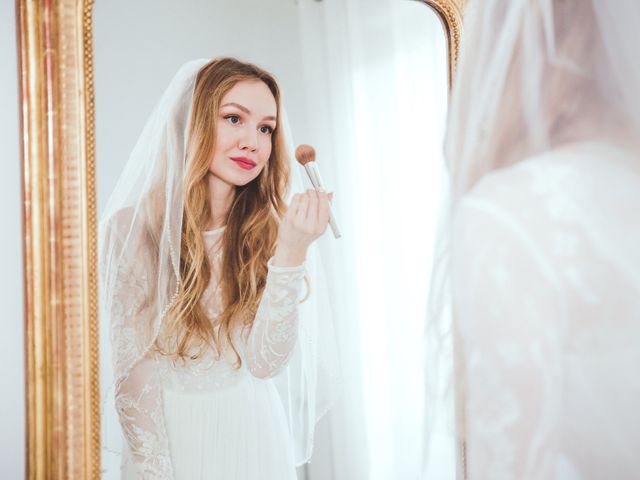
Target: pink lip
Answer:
pixel 244 162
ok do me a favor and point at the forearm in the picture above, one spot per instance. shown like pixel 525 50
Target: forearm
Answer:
pixel 140 409
pixel 274 331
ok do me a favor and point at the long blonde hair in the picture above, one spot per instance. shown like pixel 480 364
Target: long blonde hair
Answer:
pixel 251 229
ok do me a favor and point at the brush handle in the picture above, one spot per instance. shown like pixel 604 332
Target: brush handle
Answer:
pixel 316 181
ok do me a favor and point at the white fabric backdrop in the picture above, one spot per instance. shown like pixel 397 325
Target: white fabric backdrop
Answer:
pixel 376 85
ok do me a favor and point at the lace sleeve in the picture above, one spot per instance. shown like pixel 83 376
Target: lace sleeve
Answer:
pixel 139 404
pixel 275 328
pixel 138 390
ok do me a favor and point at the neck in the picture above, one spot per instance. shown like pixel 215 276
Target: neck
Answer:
pixel 221 196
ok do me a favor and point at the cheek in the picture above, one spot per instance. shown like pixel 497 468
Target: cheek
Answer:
pixel 224 138
pixel 265 149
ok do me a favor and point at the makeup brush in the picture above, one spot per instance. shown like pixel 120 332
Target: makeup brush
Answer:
pixel 306 156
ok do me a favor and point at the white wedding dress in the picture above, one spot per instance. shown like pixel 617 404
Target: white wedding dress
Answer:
pixel 546 271
pixel 206 419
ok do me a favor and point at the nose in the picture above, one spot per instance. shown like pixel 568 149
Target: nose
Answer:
pixel 249 139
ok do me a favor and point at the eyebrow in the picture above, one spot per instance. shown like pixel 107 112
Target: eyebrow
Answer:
pixel 245 110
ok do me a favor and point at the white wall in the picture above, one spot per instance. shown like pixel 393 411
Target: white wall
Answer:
pixel 12 414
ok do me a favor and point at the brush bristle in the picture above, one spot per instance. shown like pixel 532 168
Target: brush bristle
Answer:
pixel 305 154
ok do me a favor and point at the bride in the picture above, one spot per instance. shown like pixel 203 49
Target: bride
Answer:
pixel 542 251
pixel 203 278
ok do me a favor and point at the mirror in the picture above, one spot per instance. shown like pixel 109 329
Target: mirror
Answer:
pixel 365 83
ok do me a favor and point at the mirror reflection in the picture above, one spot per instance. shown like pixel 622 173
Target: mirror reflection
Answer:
pixel 240 338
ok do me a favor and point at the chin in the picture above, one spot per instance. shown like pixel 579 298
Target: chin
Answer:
pixel 239 179
pixel 244 182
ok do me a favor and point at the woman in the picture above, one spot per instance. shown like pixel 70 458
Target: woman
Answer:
pixel 542 256
pixel 203 269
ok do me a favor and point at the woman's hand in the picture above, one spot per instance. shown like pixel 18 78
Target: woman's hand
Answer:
pixel 305 221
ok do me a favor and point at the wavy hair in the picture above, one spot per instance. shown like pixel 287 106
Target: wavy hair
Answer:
pixel 251 229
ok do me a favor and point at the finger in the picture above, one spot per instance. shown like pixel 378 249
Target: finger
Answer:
pixel 323 215
pixel 312 211
pixel 303 207
pixel 318 196
pixel 294 206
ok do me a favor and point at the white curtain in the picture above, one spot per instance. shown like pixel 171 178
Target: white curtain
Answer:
pixel 376 82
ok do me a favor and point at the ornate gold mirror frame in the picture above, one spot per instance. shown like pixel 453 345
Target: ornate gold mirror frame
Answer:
pixel 55 54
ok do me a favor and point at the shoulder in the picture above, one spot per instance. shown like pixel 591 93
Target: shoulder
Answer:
pixel 124 234
pixel 117 223
pixel 560 185
pixel 561 210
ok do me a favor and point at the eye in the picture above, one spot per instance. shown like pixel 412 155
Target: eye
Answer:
pixel 266 129
pixel 233 119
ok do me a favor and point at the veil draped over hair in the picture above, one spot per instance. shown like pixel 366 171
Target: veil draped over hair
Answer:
pixel 140 278
pixel 536 282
